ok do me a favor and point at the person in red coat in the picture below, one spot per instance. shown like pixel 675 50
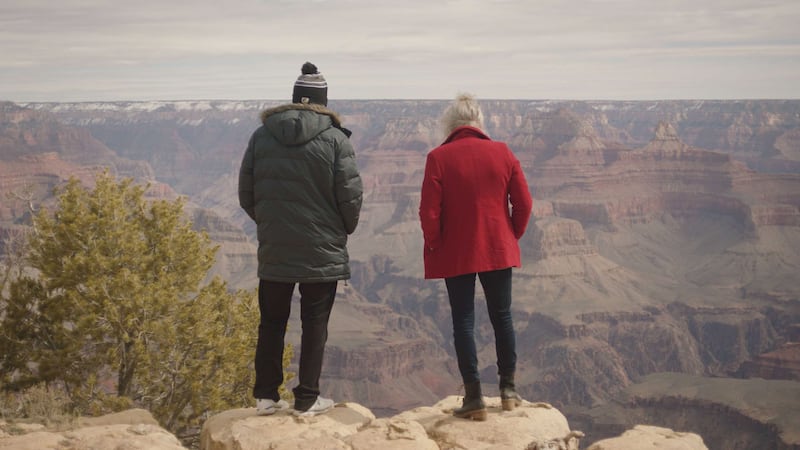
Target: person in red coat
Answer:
pixel 470 229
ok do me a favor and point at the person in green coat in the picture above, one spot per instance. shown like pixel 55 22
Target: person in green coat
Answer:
pixel 300 184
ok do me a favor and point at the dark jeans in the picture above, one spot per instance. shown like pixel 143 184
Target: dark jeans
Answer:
pixel 497 290
pixel 274 302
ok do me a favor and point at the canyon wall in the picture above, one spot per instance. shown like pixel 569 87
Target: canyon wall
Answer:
pixel 665 236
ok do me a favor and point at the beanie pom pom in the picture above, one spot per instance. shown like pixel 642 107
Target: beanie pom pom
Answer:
pixel 309 69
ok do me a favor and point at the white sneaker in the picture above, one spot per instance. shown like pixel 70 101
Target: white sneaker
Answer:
pixel 267 406
pixel 321 406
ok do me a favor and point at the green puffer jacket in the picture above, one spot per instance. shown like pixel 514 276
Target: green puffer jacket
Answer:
pixel 300 183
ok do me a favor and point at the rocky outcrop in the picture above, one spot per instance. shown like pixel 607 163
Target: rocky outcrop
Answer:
pixel 647 342
pixel 389 176
pixel 728 413
pixel 555 236
pixel 782 363
pixel 133 430
pixel 352 427
pixel 643 437
pixel 418 134
pixel 381 362
pixel 788 144
pixel 727 336
pixel 590 361
pixel 349 426
pixel 590 182
pixel 236 259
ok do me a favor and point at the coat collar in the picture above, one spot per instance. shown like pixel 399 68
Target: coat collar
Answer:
pixel 337 122
pixel 466 132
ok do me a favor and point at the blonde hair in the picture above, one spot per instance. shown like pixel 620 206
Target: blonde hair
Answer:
pixel 464 111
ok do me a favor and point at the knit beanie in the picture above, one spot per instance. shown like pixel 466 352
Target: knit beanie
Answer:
pixel 310 86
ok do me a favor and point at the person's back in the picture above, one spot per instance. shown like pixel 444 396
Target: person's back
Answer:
pixel 470 232
pixel 475 174
pixel 304 203
pixel 299 182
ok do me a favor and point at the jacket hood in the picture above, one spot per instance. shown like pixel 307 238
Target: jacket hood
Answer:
pixel 297 123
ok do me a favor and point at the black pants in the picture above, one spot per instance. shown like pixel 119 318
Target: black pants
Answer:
pixel 497 289
pixel 274 302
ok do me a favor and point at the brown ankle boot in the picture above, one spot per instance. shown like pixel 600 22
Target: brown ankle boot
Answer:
pixel 473 407
pixel 508 393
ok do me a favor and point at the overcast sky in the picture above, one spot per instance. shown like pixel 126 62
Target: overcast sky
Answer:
pixel 86 50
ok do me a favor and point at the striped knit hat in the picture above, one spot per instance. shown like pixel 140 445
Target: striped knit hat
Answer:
pixel 310 86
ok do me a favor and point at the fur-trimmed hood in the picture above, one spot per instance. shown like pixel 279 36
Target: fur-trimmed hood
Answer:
pixel 320 109
pixel 298 123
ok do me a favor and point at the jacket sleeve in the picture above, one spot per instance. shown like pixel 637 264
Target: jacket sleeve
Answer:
pixel 246 189
pixel 430 204
pixel 520 197
pixel 349 189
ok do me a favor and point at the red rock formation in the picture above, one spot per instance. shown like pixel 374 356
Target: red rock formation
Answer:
pixel 782 363
pixel 587 181
pixel 380 362
pixel 554 236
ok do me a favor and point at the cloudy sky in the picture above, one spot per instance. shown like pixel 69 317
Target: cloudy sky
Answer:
pixel 85 50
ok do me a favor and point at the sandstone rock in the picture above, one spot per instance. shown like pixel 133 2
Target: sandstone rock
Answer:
pixel 410 133
pixel 556 236
pixel 128 437
pixel 531 422
pixel 131 416
pixel 392 434
pixel 352 427
pixel 666 132
pixel 39 440
pixel 569 442
pixel 128 430
pixel 643 437
pixel 242 429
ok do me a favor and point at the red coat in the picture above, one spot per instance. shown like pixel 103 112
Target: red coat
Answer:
pixel 464 208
